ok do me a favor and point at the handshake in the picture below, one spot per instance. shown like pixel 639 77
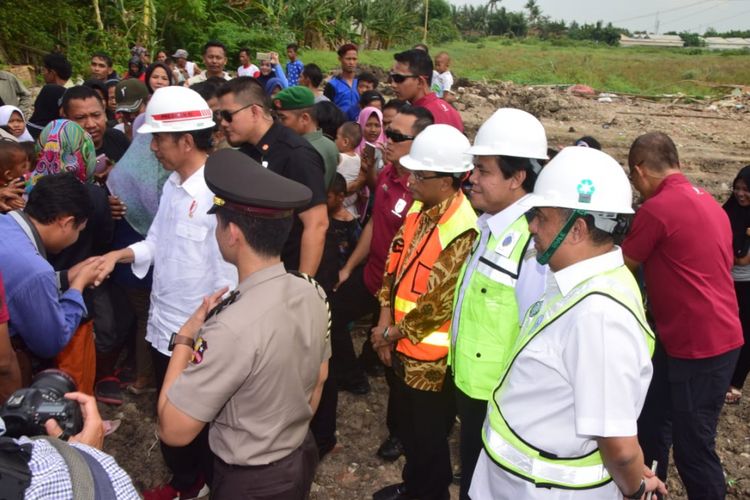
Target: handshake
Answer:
pixel 94 270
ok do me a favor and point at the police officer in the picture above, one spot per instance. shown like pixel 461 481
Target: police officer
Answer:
pixel 561 422
pixel 501 278
pixel 253 365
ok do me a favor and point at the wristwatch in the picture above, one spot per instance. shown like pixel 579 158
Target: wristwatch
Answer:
pixel 385 334
pixel 179 339
pixel 638 494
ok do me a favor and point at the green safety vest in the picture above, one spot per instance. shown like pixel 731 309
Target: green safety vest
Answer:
pixel 488 316
pixel 509 450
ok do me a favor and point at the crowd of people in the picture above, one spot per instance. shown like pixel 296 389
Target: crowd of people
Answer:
pixel 211 236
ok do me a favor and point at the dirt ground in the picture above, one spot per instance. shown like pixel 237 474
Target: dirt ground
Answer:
pixel 713 142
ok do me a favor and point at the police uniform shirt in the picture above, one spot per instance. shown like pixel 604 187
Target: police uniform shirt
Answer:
pixel 254 368
pixel 286 153
pixel 583 376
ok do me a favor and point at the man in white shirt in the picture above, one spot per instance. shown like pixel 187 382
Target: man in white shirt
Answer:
pixel 561 422
pixel 246 67
pixel 182 247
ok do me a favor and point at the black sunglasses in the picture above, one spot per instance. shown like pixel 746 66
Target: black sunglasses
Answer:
pixel 399 78
pixel 398 136
pixel 228 116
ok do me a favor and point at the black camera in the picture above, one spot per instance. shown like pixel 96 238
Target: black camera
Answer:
pixel 26 410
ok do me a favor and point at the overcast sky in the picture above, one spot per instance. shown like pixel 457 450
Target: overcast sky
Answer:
pixel 674 15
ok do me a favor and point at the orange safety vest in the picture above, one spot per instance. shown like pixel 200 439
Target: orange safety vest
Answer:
pixel 412 272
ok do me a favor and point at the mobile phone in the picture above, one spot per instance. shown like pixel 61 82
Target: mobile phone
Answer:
pixel 263 56
pixel 101 164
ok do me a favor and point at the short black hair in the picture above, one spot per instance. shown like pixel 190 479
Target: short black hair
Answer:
pixel 589 141
pixel 202 138
pixel 509 165
pixel 207 90
pixel 59 195
pixel 656 149
pixel 368 77
pixel 419 63
pixel 352 131
pixel 214 43
pixel 292 46
pixel 57 62
pixel 422 47
pixel 423 118
pixel 396 104
pixel 369 96
pixel 338 184
pixel 313 73
pixel 151 69
pixel 246 90
pixel 81 92
pixel 103 55
pixel 245 50
pixel 346 48
pixel 329 118
pixel 266 236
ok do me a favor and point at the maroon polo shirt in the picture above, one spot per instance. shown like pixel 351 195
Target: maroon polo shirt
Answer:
pixel 4 317
pixel 682 237
pixel 441 110
pixel 392 201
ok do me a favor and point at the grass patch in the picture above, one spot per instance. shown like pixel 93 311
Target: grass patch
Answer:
pixel 640 70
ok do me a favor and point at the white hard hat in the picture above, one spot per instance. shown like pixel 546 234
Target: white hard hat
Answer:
pixel 511 132
pixel 176 109
pixel 583 179
pixel 439 148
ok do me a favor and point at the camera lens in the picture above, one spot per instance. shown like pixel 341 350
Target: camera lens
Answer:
pixel 55 381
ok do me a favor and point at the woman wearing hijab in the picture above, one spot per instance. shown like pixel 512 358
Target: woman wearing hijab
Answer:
pixel 135 69
pixel 64 147
pixel 738 210
pixel 46 108
pixel 272 71
pixel 370 150
pixel 13 121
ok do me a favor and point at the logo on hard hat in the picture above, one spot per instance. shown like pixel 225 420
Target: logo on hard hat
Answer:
pixel 585 191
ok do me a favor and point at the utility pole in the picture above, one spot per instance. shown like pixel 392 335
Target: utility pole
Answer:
pixel 656 27
pixel 426 15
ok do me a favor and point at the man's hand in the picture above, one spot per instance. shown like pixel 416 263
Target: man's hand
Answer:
pixel 376 337
pixel 106 266
pixel 92 433
pixel 384 353
pixel 653 483
pixel 344 275
pixel 86 274
pixel 193 325
pixel 274 58
pixel 11 196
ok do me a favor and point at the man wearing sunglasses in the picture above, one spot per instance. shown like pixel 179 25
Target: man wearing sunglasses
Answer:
pixel 411 79
pixel 247 122
pixel 412 335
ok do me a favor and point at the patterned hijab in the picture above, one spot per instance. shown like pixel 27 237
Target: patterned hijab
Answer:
pixel 65 147
pixel 365 115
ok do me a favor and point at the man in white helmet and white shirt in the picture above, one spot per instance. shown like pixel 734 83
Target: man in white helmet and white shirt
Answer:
pixel 561 422
pixel 182 247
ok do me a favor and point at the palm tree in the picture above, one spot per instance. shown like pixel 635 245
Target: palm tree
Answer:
pixel 534 11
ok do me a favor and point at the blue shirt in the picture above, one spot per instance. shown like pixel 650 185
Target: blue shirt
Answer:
pixel 293 72
pixel 44 318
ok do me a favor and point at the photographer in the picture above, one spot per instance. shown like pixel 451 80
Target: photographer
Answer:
pixel 47 467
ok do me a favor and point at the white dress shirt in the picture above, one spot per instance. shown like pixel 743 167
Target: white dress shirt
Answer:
pixel 181 245
pixel 584 376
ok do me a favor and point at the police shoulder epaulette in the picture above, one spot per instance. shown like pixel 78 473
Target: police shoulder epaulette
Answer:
pixel 231 299
pixel 321 293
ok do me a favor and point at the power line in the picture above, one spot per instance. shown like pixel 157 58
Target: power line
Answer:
pixel 736 14
pixel 652 14
pixel 673 21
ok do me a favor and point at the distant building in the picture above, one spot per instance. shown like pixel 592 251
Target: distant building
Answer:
pixel 718 43
pixel 651 40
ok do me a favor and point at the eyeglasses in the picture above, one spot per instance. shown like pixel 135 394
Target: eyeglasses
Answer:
pixel 228 116
pixel 399 78
pixel 398 136
pixel 419 176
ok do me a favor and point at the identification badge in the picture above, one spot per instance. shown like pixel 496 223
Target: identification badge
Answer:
pixel 508 243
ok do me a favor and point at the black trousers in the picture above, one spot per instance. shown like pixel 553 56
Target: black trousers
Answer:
pixel 323 423
pixel 742 289
pixel 425 419
pixel 682 410
pixel 349 303
pixel 287 479
pixel 471 412
pixel 187 463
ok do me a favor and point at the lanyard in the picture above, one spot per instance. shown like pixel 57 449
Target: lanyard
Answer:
pixel 23 220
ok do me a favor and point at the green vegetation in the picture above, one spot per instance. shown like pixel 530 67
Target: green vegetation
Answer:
pixel 639 70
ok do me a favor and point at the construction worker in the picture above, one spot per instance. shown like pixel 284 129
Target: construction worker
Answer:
pixel 501 278
pixel 562 420
pixel 416 302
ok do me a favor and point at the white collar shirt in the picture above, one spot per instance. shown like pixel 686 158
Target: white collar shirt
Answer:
pixel 181 245
pixel 584 376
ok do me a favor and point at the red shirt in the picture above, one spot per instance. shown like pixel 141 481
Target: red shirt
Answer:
pixel 392 201
pixel 4 317
pixel 682 237
pixel 441 110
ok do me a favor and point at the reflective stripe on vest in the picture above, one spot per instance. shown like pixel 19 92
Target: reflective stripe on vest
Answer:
pixel 411 272
pixel 509 450
pixel 487 312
